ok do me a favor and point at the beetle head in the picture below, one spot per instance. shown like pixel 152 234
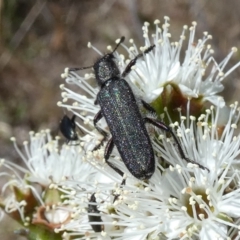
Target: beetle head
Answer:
pixel 106 68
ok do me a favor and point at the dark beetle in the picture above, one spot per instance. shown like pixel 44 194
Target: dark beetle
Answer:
pixel 127 125
pixel 67 127
pixel 94 214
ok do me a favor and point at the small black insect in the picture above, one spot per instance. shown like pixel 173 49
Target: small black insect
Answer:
pixel 93 215
pixel 126 124
pixel 67 127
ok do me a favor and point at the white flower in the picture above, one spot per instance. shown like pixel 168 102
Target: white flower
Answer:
pixel 198 75
pixel 189 203
pixel 198 142
pixel 48 163
pixel 182 201
pixel 47 166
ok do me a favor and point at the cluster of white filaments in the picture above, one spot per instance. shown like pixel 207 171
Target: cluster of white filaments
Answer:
pixel 177 202
pixel 183 204
pixel 182 200
pixel 48 168
pixel 198 75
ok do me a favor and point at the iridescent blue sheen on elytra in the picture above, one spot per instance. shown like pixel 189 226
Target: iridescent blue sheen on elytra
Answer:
pixel 120 109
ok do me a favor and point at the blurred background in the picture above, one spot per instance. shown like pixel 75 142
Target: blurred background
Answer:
pixel 38 39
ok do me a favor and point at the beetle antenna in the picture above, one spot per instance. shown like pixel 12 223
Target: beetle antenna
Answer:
pixel 121 41
pixel 82 68
pixel 77 69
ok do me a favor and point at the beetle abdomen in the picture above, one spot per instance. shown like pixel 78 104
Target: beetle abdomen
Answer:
pixel 120 109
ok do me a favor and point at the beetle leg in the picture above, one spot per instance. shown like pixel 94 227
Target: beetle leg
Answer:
pixel 95 120
pixel 133 61
pixel 166 128
pixel 107 153
pixel 148 107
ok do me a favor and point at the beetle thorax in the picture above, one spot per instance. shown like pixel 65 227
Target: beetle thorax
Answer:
pixel 105 69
